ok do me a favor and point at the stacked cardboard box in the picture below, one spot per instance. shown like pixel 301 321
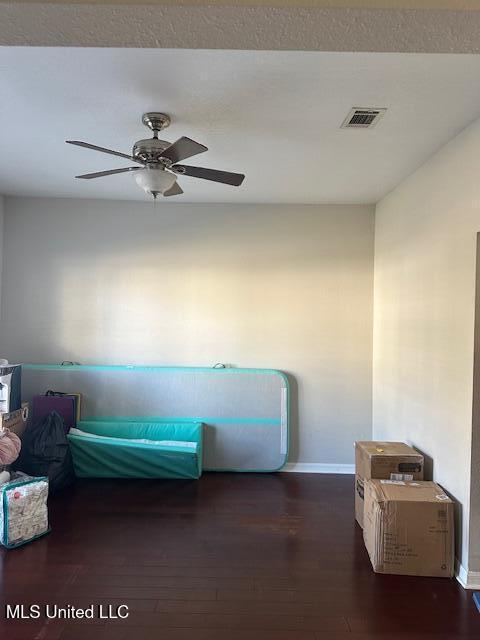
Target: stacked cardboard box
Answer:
pixel 408 524
pixel 16 421
pixel 383 461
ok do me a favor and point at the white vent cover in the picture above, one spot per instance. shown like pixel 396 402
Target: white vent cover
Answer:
pixel 362 118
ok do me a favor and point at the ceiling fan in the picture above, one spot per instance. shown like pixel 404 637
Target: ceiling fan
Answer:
pixel 158 172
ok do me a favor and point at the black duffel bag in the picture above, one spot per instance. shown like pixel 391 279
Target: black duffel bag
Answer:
pixel 46 452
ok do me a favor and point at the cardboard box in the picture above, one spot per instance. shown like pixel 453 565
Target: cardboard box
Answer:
pixel 409 528
pixel 359 499
pixel 383 460
pixel 16 421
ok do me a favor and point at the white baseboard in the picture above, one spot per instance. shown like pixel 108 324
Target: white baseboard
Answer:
pixel 321 467
pixel 468 579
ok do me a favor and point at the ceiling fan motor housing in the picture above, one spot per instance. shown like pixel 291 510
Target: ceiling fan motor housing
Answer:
pixel 150 150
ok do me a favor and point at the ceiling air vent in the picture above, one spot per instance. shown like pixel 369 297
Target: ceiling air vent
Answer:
pixel 362 118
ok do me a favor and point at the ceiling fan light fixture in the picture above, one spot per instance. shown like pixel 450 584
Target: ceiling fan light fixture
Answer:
pixel 154 180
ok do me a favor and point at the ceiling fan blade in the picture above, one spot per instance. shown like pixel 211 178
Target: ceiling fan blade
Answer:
pixel 234 179
pixel 176 190
pixel 183 148
pixel 87 145
pixel 100 174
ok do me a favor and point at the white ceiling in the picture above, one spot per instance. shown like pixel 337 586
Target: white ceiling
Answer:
pixel 273 115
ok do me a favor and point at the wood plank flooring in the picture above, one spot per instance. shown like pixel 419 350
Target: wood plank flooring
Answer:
pixel 232 556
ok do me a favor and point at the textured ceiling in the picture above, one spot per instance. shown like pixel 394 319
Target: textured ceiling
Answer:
pixel 273 115
pixel 350 4
pixel 240 27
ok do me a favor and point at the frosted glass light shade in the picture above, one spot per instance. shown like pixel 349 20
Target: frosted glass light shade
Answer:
pixel 153 180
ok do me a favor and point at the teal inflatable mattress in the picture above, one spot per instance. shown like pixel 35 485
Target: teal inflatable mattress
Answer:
pixel 108 448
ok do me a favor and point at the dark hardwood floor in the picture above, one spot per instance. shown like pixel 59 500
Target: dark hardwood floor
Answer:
pixel 232 556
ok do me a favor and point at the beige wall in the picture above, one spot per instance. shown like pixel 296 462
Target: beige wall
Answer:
pixel 425 239
pixel 287 287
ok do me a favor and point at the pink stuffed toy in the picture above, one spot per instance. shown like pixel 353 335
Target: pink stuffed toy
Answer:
pixel 10 445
